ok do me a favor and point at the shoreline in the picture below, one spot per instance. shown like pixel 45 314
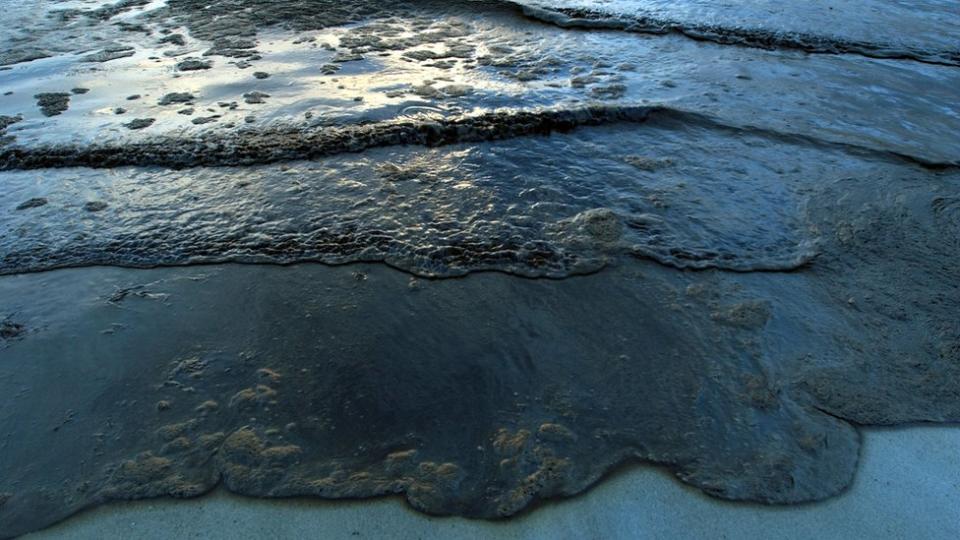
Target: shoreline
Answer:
pixel 890 486
pixel 192 354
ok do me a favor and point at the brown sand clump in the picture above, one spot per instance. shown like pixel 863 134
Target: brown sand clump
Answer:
pixel 256 396
pixel 249 465
pixel 536 464
pixel 148 475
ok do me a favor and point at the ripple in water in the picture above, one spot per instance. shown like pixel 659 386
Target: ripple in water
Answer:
pixel 532 206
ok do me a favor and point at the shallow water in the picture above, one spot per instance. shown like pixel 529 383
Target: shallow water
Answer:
pixel 924 25
pixel 749 215
pixel 449 210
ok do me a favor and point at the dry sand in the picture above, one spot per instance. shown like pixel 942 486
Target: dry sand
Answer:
pixel 908 486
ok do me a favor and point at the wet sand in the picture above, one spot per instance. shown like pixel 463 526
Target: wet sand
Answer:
pixel 908 486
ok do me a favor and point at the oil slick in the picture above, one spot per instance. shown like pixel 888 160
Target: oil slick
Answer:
pixel 710 254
